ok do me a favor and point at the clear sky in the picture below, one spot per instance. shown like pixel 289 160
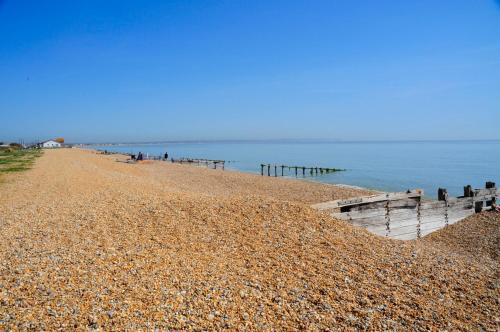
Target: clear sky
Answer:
pixel 129 70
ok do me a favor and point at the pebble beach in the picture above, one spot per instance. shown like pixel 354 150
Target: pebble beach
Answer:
pixel 89 242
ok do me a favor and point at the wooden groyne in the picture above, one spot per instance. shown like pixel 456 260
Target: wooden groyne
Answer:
pixel 279 170
pixel 406 216
pixel 213 163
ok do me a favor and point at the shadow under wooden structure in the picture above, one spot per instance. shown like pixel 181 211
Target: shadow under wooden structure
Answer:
pixel 406 216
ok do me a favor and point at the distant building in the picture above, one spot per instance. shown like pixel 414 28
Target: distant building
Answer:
pixel 50 144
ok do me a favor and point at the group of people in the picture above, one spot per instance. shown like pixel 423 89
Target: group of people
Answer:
pixel 140 156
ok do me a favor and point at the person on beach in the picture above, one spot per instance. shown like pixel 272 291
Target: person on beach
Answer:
pixel 166 156
pixel 139 156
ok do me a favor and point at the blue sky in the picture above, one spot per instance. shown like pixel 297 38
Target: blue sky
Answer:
pixel 180 70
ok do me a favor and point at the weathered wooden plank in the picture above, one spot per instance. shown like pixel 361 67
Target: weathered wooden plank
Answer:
pixel 460 210
pixel 432 213
pixel 368 199
pixel 402 230
pixel 413 227
pixel 360 214
pixel 394 204
pixel 394 224
pixel 403 215
pixel 485 192
pixel 380 225
pixel 438 218
pixel 436 223
pixel 456 217
pixel 373 221
pixel 351 215
pixel 412 235
pixel 427 205
pixel 484 198
pixel 461 207
pixel 405 237
pixel 461 202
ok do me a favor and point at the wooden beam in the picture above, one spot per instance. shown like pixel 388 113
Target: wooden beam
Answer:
pixel 368 199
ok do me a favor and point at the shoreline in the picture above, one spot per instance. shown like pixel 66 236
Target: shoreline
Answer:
pixel 384 168
pixel 366 190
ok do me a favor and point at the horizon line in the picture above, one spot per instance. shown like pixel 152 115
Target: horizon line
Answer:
pixel 284 140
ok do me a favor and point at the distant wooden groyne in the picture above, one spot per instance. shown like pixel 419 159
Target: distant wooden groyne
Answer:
pixel 290 170
pixel 406 216
pixel 213 163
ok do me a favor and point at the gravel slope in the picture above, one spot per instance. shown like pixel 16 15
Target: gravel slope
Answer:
pixel 90 243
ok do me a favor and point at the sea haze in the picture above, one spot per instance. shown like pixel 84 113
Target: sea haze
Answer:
pixel 388 166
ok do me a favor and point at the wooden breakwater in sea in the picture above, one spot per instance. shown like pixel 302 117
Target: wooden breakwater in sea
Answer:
pixel 406 216
pixel 279 170
pixel 212 163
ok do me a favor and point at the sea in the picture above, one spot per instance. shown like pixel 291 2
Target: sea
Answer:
pixel 385 166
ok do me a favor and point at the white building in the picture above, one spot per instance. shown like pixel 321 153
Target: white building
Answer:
pixel 51 144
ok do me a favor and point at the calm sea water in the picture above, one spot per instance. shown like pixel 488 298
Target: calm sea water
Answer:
pixel 388 166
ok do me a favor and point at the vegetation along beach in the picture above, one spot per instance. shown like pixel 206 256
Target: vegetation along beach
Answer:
pixel 89 242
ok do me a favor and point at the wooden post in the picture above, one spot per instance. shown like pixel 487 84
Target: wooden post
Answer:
pixel 262 169
pixel 419 217
pixel 275 170
pixel 282 170
pixel 490 185
pixel 442 194
pixel 295 171
pixel 268 170
pixel 478 206
pixel 316 171
pixel 311 170
pixel 387 218
pixel 468 191
pixel 303 171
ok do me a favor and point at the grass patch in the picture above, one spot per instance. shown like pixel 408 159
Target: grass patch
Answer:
pixel 14 169
pixel 17 160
